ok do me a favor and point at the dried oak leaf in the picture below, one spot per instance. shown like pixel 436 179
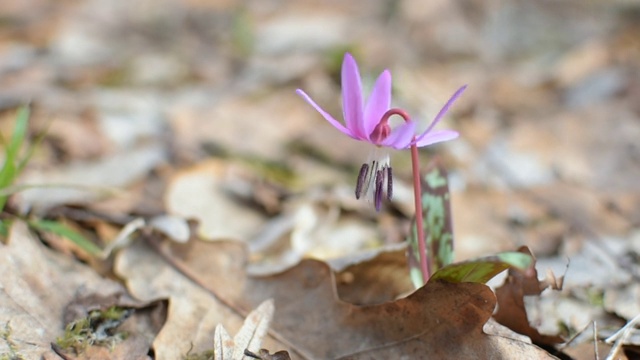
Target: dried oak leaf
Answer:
pixel 377 279
pixel 440 320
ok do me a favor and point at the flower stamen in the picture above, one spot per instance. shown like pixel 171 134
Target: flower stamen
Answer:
pixel 368 180
pixel 389 183
pixel 362 176
pixel 373 180
pixel 378 193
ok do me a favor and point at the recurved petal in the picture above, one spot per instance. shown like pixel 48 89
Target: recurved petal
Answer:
pixel 434 137
pixel 352 103
pixel 378 102
pixel 401 136
pixel 442 112
pixel 325 114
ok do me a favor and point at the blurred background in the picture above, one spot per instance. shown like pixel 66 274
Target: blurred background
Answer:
pixel 188 107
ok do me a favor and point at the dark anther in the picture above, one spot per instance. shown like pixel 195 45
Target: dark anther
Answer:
pixel 389 183
pixel 370 178
pixel 362 176
pixel 378 192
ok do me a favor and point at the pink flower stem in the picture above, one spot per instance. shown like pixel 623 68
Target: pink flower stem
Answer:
pixel 417 195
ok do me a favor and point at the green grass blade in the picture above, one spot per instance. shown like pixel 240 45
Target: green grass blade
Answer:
pixel 10 170
pixel 4 227
pixel 19 131
pixel 31 149
pixel 68 233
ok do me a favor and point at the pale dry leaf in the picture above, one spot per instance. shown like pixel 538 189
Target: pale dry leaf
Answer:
pixel 174 227
pixel 309 229
pixel 124 237
pixel 623 300
pixel 265 123
pixel 199 193
pixel 84 182
pixel 222 344
pixel 253 330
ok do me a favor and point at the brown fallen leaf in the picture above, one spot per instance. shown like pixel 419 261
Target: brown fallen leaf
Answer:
pixel 374 281
pixel 438 321
pixel 511 309
pixel 587 351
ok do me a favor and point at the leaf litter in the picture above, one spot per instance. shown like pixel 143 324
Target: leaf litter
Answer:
pixel 417 324
pixel 535 165
pixel 44 291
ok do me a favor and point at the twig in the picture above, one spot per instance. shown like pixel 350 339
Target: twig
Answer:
pixel 620 336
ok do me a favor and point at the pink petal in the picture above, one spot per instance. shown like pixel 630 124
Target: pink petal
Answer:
pixel 378 102
pixel 352 97
pixel 436 137
pixel 400 137
pixel 325 114
pixel 442 112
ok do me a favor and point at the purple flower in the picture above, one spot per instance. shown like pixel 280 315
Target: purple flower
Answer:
pixel 366 121
pixel 362 118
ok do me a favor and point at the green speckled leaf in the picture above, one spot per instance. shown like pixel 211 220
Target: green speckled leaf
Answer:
pixel 483 269
pixel 437 224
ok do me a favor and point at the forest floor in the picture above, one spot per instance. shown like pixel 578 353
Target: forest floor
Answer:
pixel 168 135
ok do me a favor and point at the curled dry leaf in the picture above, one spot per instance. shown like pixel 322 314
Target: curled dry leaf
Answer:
pixel 511 309
pixel 440 320
pixel 174 227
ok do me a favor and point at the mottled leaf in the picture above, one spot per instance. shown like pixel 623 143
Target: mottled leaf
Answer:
pixel 438 228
